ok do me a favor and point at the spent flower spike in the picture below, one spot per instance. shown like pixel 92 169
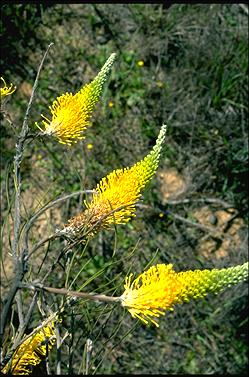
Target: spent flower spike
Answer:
pixel 159 288
pixel 31 351
pixel 116 195
pixel 71 113
pixel 5 90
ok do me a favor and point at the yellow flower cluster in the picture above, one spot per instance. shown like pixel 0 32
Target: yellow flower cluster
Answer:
pixel 159 288
pixel 71 113
pixel 117 194
pixel 5 90
pixel 31 351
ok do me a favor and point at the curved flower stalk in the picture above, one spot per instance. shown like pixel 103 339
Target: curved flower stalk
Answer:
pixel 159 288
pixel 32 350
pixel 116 195
pixel 71 113
pixel 5 90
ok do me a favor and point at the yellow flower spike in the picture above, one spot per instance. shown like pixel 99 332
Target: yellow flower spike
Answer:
pixel 6 91
pixel 31 351
pixel 71 113
pixel 117 194
pixel 159 288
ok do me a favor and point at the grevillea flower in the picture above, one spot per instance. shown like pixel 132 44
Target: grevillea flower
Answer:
pixel 117 194
pixel 159 288
pixel 6 91
pixel 31 351
pixel 71 113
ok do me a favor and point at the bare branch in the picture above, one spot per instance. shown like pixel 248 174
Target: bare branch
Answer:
pixel 19 264
pixel 45 208
pixel 201 200
pixel 63 291
pixel 217 231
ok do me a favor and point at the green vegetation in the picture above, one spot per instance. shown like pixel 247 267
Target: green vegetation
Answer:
pixel 185 66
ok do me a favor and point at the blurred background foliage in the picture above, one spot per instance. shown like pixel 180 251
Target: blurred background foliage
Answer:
pixel 183 65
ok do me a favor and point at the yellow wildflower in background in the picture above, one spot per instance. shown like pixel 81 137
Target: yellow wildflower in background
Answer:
pixel 31 351
pixel 140 63
pixel 5 90
pixel 71 113
pixel 89 146
pixel 117 194
pixel 110 104
pixel 159 288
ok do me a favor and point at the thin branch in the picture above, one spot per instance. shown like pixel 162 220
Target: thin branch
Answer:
pixel 9 120
pixel 19 263
pixel 38 328
pixel 19 304
pixel 21 329
pixel 10 298
pixel 89 348
pixel 187 221
pixel 66 292
pixel 25 128
pixel 18 158
pixel 192 223
pixel 53 265
pixel 45 208
pixel 58 346
pixel 201 200
pixel 42 242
